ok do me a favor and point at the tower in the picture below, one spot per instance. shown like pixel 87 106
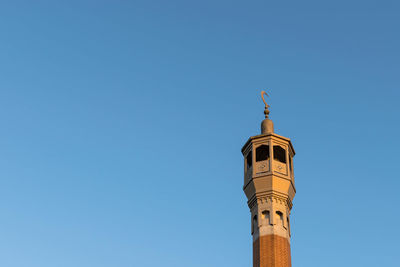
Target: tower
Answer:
pixel 269 188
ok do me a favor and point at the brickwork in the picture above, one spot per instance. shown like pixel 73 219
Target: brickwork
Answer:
pixel 271 251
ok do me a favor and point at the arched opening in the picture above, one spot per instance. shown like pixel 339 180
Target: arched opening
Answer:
pixel 279 154
pixel 279 219
pixel 254 224
pixel 262 159
pixel 262 153
pixel 266 217
pixel 249 160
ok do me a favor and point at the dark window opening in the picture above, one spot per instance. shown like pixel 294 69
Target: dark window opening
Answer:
pixel 262 153
pixel 290 163
pixel 249 160
pixel 279 154
pixel 265 215
pixel 254 224
pixel 280 218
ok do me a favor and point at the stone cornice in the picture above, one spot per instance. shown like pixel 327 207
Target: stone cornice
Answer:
pixel 272 197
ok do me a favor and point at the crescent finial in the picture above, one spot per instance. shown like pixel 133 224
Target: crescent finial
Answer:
pixel 266 111
pixel 262 96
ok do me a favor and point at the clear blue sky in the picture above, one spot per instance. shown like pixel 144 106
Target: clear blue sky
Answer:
pixel 122 124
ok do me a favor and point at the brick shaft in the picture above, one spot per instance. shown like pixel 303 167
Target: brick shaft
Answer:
pixel 271 251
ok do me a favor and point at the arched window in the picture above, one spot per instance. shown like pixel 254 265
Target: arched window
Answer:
pixel 279 218
pixel 249 160
pixel 262 153
pixel 266 217
pixel 254 224
pixel 279 154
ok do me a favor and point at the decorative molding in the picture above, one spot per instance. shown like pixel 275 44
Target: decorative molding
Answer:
pixel 272 198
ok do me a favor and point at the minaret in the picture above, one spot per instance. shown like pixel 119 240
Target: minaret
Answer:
pixel 269 188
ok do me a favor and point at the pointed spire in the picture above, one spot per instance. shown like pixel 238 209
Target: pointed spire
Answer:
pixel 267 126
